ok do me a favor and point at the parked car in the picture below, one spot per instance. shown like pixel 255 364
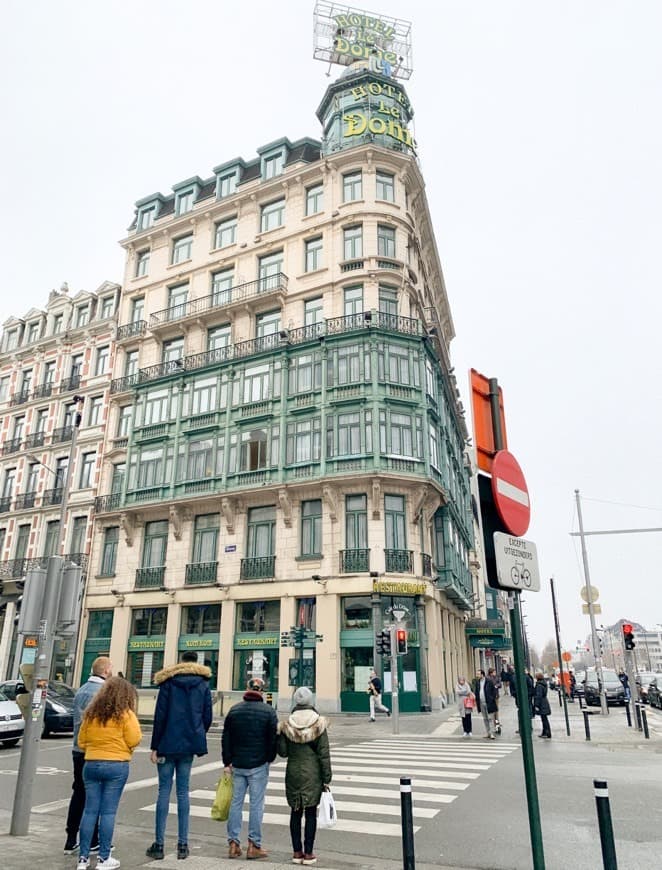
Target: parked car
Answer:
pixel 655 692
pixel 12 724
pixel 580 676
pixel 644 679
pixel 58 717
pixel 613 687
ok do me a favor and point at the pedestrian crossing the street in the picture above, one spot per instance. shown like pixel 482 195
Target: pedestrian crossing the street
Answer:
pixel 366 782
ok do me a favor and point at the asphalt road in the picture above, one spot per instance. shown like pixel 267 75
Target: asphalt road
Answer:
pixel 469 800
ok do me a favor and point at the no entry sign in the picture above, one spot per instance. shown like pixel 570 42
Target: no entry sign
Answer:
pixel 510 492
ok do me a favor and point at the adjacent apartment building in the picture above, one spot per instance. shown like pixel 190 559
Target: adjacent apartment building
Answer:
pixel 46 358
pixel 285 444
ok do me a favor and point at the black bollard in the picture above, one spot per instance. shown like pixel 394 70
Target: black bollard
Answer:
pixel 627 714
pixel 587 727
pixel 407 818
pixel 644 720
pixel 581 702
pixel 604 822
pixel 637 713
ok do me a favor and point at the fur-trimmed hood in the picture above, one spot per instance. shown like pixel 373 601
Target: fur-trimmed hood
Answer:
pixel 303 726
pixel 183 669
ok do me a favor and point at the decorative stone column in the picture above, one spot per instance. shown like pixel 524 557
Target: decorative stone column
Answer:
pixel 426 705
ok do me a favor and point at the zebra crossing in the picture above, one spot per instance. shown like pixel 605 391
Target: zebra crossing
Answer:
pixel 366 784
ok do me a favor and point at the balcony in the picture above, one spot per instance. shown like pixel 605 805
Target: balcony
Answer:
pixel 221 299
pixel 105 503
pixel 5 504
pixel 19 398
pixel 24 501
pixel 399 561
pixel 354 561
pixel 12 446
pixel 454 589
pixel 43 391
pixel 79 559
pixel 34 440
pixel 121 385
pixel 131 330
pixel 64 433
pixel 52 496
pixel 150 578
pixel 70 384
pixel 258 568
pixel 13 568
pixel 426 565
pixel 198 573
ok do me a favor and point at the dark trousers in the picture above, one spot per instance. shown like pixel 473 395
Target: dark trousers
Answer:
pixel 546 730
pixel 77 802
pixel 466 723
pixel 310 829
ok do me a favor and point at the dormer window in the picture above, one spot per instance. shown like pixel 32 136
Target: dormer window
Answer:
pixel 11 339
pixel 82 315
pixel 33 332
pixel 146 218
pixel 274 165
pixel 58 322
pixel 227 184
pixel 184 202
pixel 107 306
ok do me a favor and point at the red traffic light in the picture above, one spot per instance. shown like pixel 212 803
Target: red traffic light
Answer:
pixel 401 640
pixel 402 634
pixel 627 628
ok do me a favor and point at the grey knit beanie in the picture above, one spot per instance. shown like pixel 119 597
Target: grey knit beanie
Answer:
pixel 303 697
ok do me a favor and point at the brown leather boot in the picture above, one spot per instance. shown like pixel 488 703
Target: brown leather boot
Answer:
pixel 254 851
pixel 235 850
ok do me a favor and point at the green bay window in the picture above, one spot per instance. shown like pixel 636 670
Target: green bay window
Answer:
pixel 348 364
pixel 254 449
pixel 349 434
pixel 400 434
pixel 305 373
pixel 150 468
pixel 203 398
pixel 156 408
pixel 200 459
pixel 311 528
pixel 303 441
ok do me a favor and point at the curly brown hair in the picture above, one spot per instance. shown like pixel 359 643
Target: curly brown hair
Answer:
pixel 115 698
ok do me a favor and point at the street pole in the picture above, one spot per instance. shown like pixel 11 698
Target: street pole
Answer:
pixel 395 700
pixel 557 629
pixel 27 768
pixel 591 613
pixel 523 713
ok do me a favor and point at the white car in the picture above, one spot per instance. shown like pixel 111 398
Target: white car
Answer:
pixel 12 723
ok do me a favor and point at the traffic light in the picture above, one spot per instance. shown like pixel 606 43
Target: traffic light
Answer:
pixel 401 641
pixel 383 643
pixel 628 637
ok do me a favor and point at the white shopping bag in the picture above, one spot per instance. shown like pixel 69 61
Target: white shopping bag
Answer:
pixel 327 814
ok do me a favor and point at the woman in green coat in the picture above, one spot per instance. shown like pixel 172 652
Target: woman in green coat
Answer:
pixel 303 740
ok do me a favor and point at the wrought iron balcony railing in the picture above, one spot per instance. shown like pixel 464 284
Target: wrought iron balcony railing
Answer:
pixel 201 572
pixel 69 384
pixel 36 439
pixel 150 578
pixel 79 559
pixel 64 433
pixel 19 398
pixel 258 568
pixel 128 382
pixel 43 391
pixel 105 503
pixel 24 501
pixel 14 568
pixel 52 496
pixel 399 561
pixel 5 504
pixel 129 330
pixel 12 446
pixel 426 565
pixel 355 561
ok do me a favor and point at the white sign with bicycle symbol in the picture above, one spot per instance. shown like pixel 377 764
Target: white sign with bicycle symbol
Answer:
pixel 517 563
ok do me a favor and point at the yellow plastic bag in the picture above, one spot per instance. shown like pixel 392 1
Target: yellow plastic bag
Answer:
pixel 220 809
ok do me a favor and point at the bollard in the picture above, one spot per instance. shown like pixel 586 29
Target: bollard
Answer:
pixel 644 720
pixel 407 819
pixel 587 727
pixel 581 702
pixel 637 713
pixel 627 714
pixel 604 822
pixel 560 700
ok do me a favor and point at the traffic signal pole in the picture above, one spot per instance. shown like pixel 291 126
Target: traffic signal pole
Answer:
pixel 34 721
pixel 395 696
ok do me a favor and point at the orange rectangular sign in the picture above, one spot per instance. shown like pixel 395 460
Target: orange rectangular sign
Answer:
pixel 482 418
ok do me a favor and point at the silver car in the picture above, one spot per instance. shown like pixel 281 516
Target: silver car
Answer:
pixel 12 723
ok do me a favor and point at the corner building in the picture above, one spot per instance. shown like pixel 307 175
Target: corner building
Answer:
pixel 285 443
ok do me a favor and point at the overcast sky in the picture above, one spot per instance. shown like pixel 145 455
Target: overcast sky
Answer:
pixel 540 138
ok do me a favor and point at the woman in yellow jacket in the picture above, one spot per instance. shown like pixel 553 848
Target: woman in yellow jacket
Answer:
pixel 108 735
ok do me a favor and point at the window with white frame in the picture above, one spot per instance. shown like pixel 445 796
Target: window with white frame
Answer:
pixel 385 186
pixel 87 470
pixel 221 286
pixel 267 324
pixel 352 186
pixel 103 358
pixel 142 263
pixel 82 315
pixel 4 388
pixel 130 363
pixel 227 184
pixel 303 443
pixel 33 332
pixel 147 216
pixel 58 323
pixel 274 165
pixel 203 398
pixel 313 311
pixel 150 468
pixel 177 299
pixel 313 254
pixel 200 459
pixel 353 242
pixel 173 350
pixel 96 411
pixel 272 215
pixel 385 241
pixel 314 199
pixel 184 201
pixel 305 373
pixel 353 300
pixel 107 307
pixel 270 271
pixel 226 232
pixel 181 248
pixel 124 421
pixel 156 407
pixel 218 337
pixel 257 379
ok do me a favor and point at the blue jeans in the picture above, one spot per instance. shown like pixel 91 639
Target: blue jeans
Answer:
pixel 104 784
pixel 180 767
pixel 253 780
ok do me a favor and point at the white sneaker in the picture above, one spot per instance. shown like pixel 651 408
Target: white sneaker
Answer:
pixel 109 864
pixel 83 864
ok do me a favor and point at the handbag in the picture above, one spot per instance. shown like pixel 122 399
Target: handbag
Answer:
pixel 327 814
pixel 220 809
pixel 469 702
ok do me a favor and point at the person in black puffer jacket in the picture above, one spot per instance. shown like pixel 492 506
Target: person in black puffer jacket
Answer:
pixel 249 747
pixel 181 720
pixel 541 705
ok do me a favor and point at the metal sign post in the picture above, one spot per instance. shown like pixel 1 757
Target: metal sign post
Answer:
pixel 557 630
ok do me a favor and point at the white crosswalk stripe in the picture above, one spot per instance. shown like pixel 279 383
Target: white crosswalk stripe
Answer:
pixel 366 782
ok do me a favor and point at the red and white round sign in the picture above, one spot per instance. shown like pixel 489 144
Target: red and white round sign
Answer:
pixel 511 494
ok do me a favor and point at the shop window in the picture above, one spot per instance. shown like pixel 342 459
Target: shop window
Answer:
pixel 142 666
pixel 201 619
pixel 99 624
pixel 357 612
pixel 258 616
pixel 355 672
pixel 249 663
pixel 148 621
pixel 306 613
